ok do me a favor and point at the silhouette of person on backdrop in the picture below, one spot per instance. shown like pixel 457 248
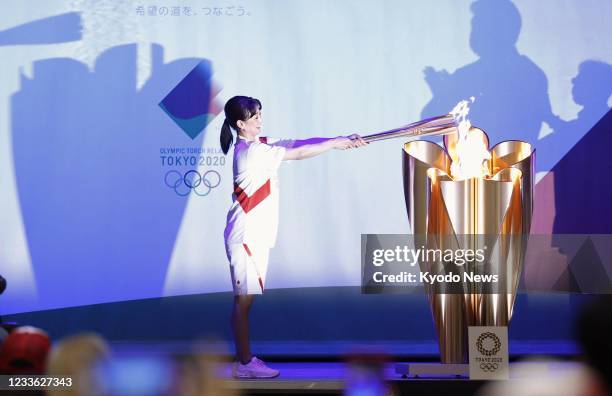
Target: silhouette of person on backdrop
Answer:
pixel 582 197
pixel 592 87
pixel 511 91
pixel 94 124
pixel 589 210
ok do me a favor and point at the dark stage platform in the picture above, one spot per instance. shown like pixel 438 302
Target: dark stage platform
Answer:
pixel 331 378
pixel 326 376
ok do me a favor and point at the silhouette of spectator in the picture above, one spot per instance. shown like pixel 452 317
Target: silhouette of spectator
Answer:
pixel 78 357
pixel 593 332
pixel 2 288
pixel 200 375
pixel 535 380
pixel 25 351
pixel 593 378
pixel 511 91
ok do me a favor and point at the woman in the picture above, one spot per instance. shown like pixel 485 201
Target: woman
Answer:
pixel 253 218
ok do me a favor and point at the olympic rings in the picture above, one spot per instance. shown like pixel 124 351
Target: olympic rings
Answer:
pixel 490 367
pixel 192 180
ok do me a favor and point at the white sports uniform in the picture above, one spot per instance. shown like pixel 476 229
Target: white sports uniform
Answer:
pixel 252 221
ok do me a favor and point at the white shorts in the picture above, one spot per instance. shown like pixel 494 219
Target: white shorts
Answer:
pixel 248 267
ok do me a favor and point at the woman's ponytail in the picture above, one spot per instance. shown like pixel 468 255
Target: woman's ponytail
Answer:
pixel 226 136
pixel 238 108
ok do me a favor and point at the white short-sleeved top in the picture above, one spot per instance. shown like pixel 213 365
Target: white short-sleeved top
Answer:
pixel 253 216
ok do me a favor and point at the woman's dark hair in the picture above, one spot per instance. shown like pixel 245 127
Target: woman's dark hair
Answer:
pixel 237 108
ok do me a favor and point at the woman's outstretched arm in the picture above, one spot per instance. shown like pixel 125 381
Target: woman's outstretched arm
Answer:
pixel 312 147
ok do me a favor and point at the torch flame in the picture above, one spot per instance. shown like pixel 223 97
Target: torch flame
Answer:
pixel 469 151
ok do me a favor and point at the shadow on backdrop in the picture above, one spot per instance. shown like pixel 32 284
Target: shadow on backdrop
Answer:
pixel 100 222
pixel 511 91
pixel 591 89
pixel 512 103
pixel 583 197
pixel 575 198
pixel 61 28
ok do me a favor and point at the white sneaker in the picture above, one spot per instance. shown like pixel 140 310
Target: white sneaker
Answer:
pixel 253 369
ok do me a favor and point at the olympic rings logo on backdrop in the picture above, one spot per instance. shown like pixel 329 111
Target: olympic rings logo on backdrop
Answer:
pixel 192 180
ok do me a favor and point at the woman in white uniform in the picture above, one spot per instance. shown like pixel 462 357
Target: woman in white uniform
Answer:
pixel 253 217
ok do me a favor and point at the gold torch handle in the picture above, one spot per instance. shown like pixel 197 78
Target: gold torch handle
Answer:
pixel 441 125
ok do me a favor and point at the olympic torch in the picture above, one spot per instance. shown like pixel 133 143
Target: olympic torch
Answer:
pixel 440 125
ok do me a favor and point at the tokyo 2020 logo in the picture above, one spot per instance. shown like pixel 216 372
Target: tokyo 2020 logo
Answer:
pixel 488 351
pixel 491 349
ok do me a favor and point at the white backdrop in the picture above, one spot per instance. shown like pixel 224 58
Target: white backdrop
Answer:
pixel 320 68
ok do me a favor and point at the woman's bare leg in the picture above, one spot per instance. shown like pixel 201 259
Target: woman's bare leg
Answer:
pixel 240 327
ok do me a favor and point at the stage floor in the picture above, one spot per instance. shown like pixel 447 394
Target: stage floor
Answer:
pixel 335 350
pixel 332 378
pixel 326 376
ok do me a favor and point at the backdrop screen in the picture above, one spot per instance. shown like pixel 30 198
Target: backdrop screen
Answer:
pixel 105 105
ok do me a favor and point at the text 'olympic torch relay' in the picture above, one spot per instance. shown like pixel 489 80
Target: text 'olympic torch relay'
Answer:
pixel 464 196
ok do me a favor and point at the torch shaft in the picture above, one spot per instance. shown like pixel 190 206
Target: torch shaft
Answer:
pixel 441 125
